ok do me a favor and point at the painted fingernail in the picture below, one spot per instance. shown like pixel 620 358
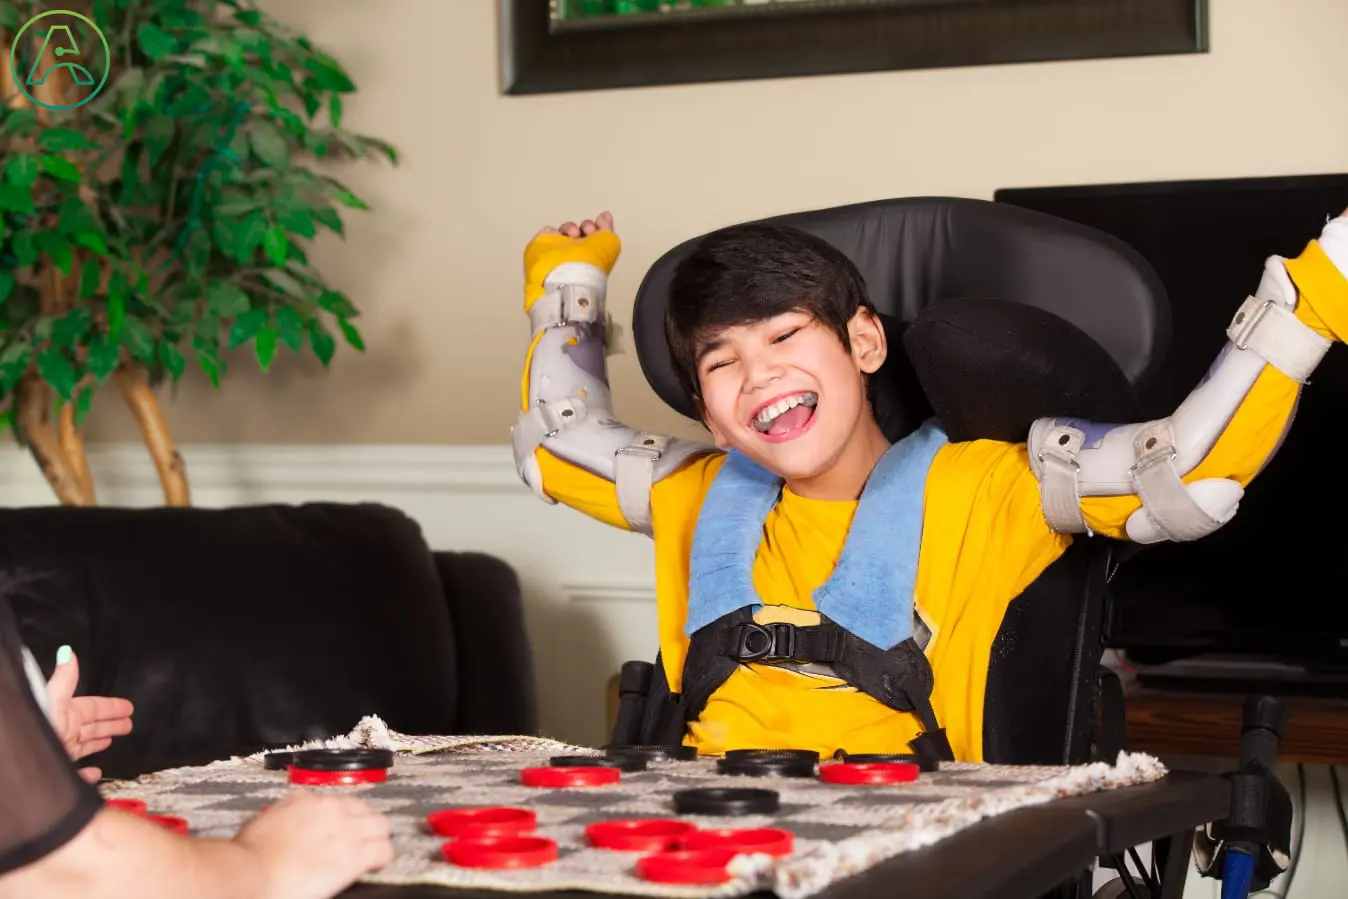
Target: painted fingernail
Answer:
pixel 64 654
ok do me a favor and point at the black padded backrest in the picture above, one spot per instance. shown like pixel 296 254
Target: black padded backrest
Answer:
pixel 915 251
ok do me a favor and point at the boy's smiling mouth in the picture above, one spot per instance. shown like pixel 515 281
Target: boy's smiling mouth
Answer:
pixel 785 417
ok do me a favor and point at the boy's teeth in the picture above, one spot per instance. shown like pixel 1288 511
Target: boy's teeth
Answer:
pixel 764 419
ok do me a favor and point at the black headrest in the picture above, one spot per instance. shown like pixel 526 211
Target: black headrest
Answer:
pixel 1033 290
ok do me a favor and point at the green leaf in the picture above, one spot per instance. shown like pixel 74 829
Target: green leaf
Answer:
pixel 157 134
pixel 25 250
pixel 57 248
pixel 69 330
pixel 286 284
pixel 334 302
pixel 173 360
pixel 209 363
pixel 250 232
pixel 155 41
pixel 91 277
pixel 104 352
pixel 226 300
pixel 351 334
pixel 6 285
pixel 138 340
pixel 329 219
pixel 298 221
pixel 92 240
pixel 274 244
pixel 335 110
pixel 14 362
pixel 270 146
pixel 265 345
pixel 16 199
pixel 61 139
pixel 60 168
pixel 56 370
pixel 320 338
pixel 18 122
pixel 247 326
pixel 117 297
pixel 290 328
pixel 21 169
pixel 328 74
pixel 84 401
pixel 347 198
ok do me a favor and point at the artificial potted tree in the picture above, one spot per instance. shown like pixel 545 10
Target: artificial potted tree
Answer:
pixel 153 217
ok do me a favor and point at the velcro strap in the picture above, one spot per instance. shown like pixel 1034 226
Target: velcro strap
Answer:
pixel 1058 485
pixel 634 471
pixel 1276 335
pixel 1163 494
pixel 542 421
pixel 568 303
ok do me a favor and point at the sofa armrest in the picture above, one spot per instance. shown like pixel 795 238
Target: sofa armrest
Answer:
pixel 497 690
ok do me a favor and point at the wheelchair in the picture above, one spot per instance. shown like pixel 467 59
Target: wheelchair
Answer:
pixel 997 316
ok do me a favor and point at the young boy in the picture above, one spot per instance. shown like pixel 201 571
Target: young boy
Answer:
pixel 775 338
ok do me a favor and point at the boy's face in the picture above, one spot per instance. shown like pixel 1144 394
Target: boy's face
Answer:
pixel 786 392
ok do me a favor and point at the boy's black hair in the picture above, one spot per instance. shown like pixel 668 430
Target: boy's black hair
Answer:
pixel 748 273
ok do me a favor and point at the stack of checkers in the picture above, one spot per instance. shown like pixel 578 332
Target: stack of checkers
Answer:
pixel 633 820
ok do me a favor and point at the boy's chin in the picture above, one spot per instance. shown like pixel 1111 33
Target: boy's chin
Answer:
pixel 792 460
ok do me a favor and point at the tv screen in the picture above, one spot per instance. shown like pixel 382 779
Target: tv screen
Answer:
pixel 1274 581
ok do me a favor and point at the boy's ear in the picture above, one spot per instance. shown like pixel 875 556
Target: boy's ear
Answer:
pixel 869 346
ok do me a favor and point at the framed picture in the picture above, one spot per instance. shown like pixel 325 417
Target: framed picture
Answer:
pixel 581 45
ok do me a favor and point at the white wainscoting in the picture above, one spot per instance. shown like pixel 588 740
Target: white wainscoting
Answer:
pixel 589 588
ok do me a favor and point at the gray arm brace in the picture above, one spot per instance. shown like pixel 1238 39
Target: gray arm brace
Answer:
pixel 570 410
pixel 1072 458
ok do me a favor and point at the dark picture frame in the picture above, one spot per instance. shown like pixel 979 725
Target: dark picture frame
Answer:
pixel 543 53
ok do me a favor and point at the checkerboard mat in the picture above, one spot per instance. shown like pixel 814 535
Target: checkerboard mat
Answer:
pixel 839 830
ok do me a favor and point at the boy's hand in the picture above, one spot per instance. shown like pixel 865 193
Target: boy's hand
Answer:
pixel 593 241
pixel 313 847
pixel 601 222
pixel 85 724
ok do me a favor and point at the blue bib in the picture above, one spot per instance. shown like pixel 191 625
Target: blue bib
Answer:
pixel 870 592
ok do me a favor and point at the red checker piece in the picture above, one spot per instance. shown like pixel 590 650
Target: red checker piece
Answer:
pixel 308 778
pixel 687 866
pixel 170 822
pixel 134 806
pixel 642 834
pixel 490 821
pixel 869 773
pixel 749 840
pixel 569 777
pixel 500 852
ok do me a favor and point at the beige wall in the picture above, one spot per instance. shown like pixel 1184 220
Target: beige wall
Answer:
pixel 436 265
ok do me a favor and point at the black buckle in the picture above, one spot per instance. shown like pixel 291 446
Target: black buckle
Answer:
pixel 756 642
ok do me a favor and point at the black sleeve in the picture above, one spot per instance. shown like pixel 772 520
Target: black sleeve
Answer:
pixel 44 802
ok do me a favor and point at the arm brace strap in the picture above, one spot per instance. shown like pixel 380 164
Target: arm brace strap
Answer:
pixel 1073 458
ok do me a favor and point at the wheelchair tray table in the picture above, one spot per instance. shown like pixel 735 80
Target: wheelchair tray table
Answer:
pixel 1019 855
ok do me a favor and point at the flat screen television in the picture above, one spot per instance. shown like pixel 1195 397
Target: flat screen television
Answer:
pixel 1272 585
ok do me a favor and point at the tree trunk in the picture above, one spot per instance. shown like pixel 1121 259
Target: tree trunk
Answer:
pixel 144 406
pixel 33 418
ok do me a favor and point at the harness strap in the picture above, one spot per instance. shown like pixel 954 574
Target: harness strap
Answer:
pixel 900 677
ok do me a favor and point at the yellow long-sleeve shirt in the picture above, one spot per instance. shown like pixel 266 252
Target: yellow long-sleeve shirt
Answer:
pixel 984 540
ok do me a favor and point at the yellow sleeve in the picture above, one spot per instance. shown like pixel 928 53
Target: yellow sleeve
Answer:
pixel 1249 440
pixel 597 497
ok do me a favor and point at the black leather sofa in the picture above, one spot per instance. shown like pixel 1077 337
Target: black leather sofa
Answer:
pixel 233 630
